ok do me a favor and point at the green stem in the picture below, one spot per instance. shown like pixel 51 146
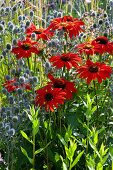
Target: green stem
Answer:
pixel 100 58
pixel 112 164
pixel 35 65
pixel 87 139
pixel 70 166
pixel 59 118
pixel 65 45
pixel 96 103
pixel 33 147
pixel 63 70
pixel 28 63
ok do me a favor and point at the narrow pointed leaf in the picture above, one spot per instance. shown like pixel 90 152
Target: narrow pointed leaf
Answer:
pixel 25 153
pixel 64 166
pixel 41 149
pixel 62 140
pixel 25 136
pixel 77 159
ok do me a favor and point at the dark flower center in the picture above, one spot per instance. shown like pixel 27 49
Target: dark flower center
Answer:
pixel 59 84
pixel 48 97
pixel 88 46
pixel 102 40
pixel 65 58
pixel 38 31
pixel 69 19
pixel 26 46
pixel 93 69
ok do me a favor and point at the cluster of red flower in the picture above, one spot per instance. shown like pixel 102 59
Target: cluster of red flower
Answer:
pixel 10 85
pixel 56 91
pixel 25 48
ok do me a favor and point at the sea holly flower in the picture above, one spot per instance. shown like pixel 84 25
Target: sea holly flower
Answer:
pixel 50 97
pixel 89 48
pixel 64 85
pixel 40 33
pixel 91 71
pixel 66 59
pixel 104 45
pixel 68 24
pixel 25 48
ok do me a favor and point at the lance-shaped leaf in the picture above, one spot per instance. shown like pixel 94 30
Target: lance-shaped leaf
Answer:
pixel 77 159
pixel 25 153
pixel 25 136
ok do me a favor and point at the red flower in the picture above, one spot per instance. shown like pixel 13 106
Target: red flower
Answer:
pixel 49 97
pixel 25 48
pixel 64 85
pixel 103 45
pixel 67 59
pixel 40 33
pixel 11 85
pixel 26 86
pixel 68 24
pixel 88 48
pixel 91 71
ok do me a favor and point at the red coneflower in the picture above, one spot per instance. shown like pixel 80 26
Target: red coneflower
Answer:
pixel 11 85
pixel 40 32
pixel 103 45
pixel 89 48
pixel 64 85
pixel 68 24
pixel 67 59
pixel 91 71
pixel 25 48
pixel 49 97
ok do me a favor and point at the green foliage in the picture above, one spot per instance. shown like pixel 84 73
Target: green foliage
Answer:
pixel 35 126
pixel 70 147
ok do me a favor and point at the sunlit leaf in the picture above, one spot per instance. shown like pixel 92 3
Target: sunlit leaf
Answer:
pixel 77 159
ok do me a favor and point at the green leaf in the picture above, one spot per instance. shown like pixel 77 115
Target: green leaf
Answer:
pixel 95 138
pixel 102 152
pixel 39 150
pixel 77 159
pixel 30 117
pixel 68 134
pixel 25 136
pixel 25 153
pixel 57 157
pixel 83 142
pixel 32 110
pixel 84 125
pixel 90 163
pixel 99 166
pixel 104 159
pixel 93 110
pixel 61 158
pixel 88 100
pixel 62 140
pixel 68 153
pixel 111 151
pixel 64 166
pixel 94 148
pixel 36 126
